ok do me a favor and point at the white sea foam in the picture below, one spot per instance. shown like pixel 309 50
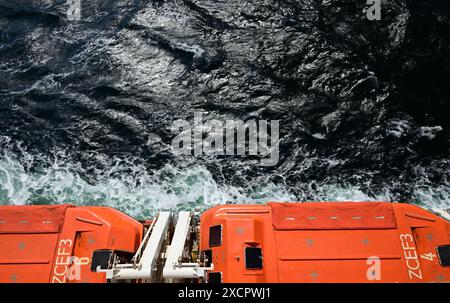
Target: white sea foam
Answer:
pixel 126 186
pixel 139 192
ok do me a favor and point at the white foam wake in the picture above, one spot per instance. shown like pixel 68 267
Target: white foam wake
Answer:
pixel 139 192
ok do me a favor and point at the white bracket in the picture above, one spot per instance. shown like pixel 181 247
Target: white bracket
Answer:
pixel 145 262
pixel 173 267
pixel 151 252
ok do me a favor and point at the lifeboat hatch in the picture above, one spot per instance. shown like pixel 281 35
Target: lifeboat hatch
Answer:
pixel 101 259
pixel 253 258
pixel 444 255
pixel 215 235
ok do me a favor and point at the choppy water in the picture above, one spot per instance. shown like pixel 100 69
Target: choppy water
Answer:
pixel 130 187
pixel 86 106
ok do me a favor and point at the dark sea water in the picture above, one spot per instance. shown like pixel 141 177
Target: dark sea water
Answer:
pixel 86 107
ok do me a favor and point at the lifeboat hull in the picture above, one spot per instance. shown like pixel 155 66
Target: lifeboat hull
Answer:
pixel 55 244
pixel 325 242
pixel 330 242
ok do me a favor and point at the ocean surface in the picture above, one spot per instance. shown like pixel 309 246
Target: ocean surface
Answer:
pixel 87 106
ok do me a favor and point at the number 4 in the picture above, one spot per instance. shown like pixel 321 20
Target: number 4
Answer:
pixel 429 256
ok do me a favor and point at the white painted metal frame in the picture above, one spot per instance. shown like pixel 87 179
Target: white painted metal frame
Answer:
pixel 146 267
pixel 145 260
pixel 174 268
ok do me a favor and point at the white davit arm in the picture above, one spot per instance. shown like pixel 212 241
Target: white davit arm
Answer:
pixel 146 267
pixel 147 262
pixel 173 267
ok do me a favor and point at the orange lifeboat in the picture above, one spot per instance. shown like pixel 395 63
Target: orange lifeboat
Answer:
pixel 56 243
pixel 326 242
pixel 278 242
